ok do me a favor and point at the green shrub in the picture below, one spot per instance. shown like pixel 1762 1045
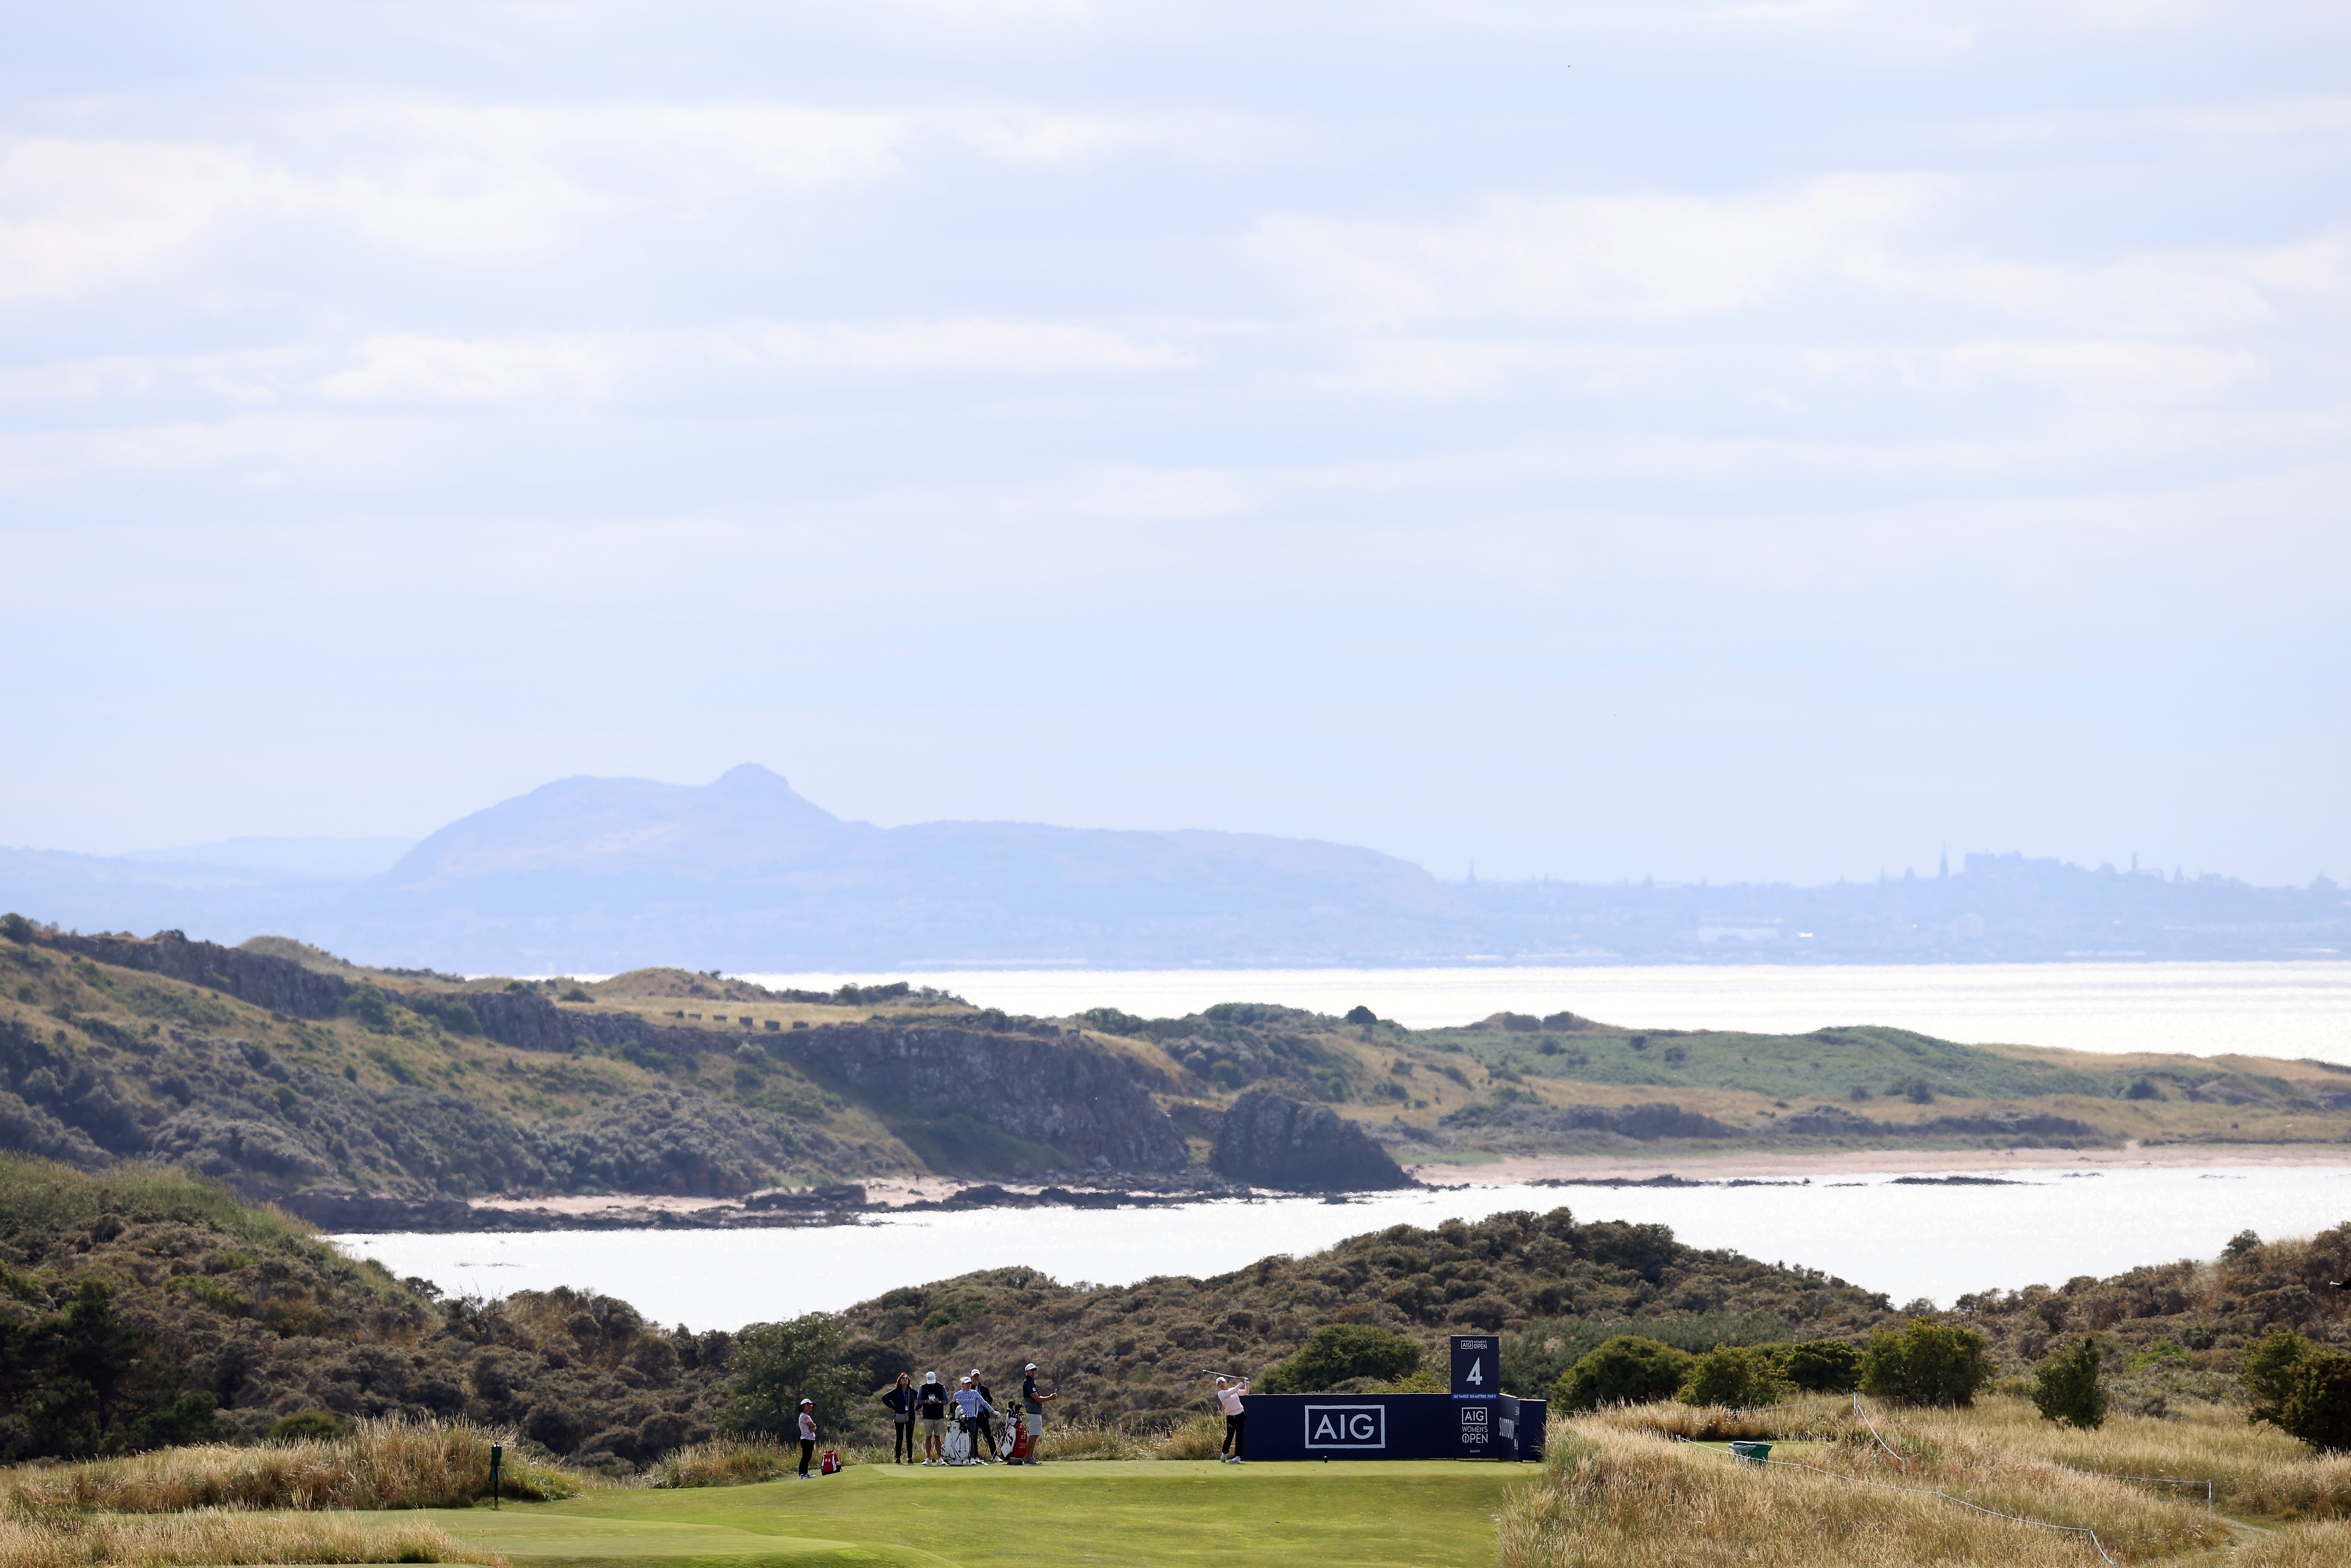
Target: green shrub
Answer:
pixel 1735 1377
pixel 307 1425
pixel 15 927
pixel 2067 1388
pixel 1337 1352
pixel 2302 1389
pixel 776 1365
pixel 370 1005
pixel 1625 1370
pixel 1819 1365
pixel 1926 1363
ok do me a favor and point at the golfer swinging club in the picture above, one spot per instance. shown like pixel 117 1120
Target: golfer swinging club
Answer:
pixel 1230 1394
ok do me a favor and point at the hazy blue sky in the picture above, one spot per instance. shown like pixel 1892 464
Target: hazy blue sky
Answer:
pixel 1733 441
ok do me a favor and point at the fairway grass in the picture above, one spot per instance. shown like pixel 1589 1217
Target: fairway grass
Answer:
pixel 1424 1514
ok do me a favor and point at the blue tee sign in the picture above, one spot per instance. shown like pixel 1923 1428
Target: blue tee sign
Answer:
pixel 1475 1374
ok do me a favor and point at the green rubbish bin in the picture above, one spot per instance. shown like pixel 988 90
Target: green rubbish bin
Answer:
pixel 1753 1453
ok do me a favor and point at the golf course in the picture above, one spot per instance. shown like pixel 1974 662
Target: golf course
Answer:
pixel 1421 1513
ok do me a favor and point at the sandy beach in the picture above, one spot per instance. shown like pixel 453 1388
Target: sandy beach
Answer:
pixel 1760 1166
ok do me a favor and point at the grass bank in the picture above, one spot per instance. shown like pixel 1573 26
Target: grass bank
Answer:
pixel 387 1464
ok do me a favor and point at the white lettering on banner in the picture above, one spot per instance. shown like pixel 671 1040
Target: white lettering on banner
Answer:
pixel 1346 1427
pixel 1473 1423
pixel 1474 1375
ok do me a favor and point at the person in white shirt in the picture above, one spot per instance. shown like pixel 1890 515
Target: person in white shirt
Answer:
pixel 1230 1394
pixel 807 1435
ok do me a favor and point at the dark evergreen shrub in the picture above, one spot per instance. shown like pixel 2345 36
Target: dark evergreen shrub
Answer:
pixel 1625 1370
pixel 1926 1363
pixel 2067 1387
pixel 1337 1352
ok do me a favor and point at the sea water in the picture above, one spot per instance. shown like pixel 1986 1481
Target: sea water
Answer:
pixel 1909 1241
pixel 2282 1009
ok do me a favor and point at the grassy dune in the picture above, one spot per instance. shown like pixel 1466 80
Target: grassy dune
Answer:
pixel 217 1535
pixel 382 1464
pixel 1630 1489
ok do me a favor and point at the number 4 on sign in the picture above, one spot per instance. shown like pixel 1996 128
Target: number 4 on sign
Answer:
pixel 1474 1375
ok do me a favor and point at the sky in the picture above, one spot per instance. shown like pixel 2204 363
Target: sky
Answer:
pixel 1766 441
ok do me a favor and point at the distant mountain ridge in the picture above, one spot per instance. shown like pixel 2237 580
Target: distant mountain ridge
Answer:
pixel 592 876
pixel 593 873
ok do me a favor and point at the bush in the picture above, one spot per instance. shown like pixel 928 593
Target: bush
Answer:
pixel 15 927
pixel 1337 1352
pixel 1926 1363
pixel 1625 1370
pixel 2302 1389
pixel 1735 1378
pixel 1360 1014
pixel 776 1365
pixel 2066 1387
pixel 307 1426
pixel 1819 1365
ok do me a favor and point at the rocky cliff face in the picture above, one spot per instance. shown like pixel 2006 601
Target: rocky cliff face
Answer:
pixel 1070 1095
pixel 1023 1095
pixel 1270 1140
pixel 278 984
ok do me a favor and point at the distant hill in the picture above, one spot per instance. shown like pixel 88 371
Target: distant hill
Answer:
pixel 594 875
pixel 597 875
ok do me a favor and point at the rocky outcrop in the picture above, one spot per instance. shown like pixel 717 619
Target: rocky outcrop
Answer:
pixel 1271 1140
pixel 1070 1095
pixel 278 984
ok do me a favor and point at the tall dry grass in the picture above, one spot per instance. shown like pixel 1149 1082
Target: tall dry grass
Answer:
pixel 724 1462
pixel 1811 1419
pixel 63 1539
pixel 2319 1544
pixel 381 1464
pixel 1636 1500
pixel 2255 1470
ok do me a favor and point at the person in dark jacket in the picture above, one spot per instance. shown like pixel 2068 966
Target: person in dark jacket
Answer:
pixel 900 1401
pixel 931 1410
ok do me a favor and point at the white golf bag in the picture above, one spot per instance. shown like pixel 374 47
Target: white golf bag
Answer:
pixel 956 1449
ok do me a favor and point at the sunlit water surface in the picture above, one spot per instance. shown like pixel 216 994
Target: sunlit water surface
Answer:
pixel 1907 1241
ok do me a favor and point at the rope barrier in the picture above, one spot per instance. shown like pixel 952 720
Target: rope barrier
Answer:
pixel 1947 1497
pixel 1872 1432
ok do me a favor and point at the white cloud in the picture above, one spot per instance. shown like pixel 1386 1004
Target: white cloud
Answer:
pixel 586 366
pixel 1439 368
pixel 81 215
pixel 1656 257
pixel 505 370
pixel 1020 347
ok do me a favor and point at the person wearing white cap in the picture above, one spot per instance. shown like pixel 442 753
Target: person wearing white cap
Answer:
pixel 1230 1394
pixel 931 1407
pixel 1032 1408
pixel 986 1430
pixel 975 1409
pixel 807 1436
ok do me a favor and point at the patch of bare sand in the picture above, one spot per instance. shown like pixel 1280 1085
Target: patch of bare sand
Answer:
pixel 1520 1171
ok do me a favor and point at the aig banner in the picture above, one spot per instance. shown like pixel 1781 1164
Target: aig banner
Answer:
pixel 1391 1426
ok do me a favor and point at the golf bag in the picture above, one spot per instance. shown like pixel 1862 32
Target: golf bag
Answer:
pixel 1020 1445
pixel 832 1462
pixel 956 1449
